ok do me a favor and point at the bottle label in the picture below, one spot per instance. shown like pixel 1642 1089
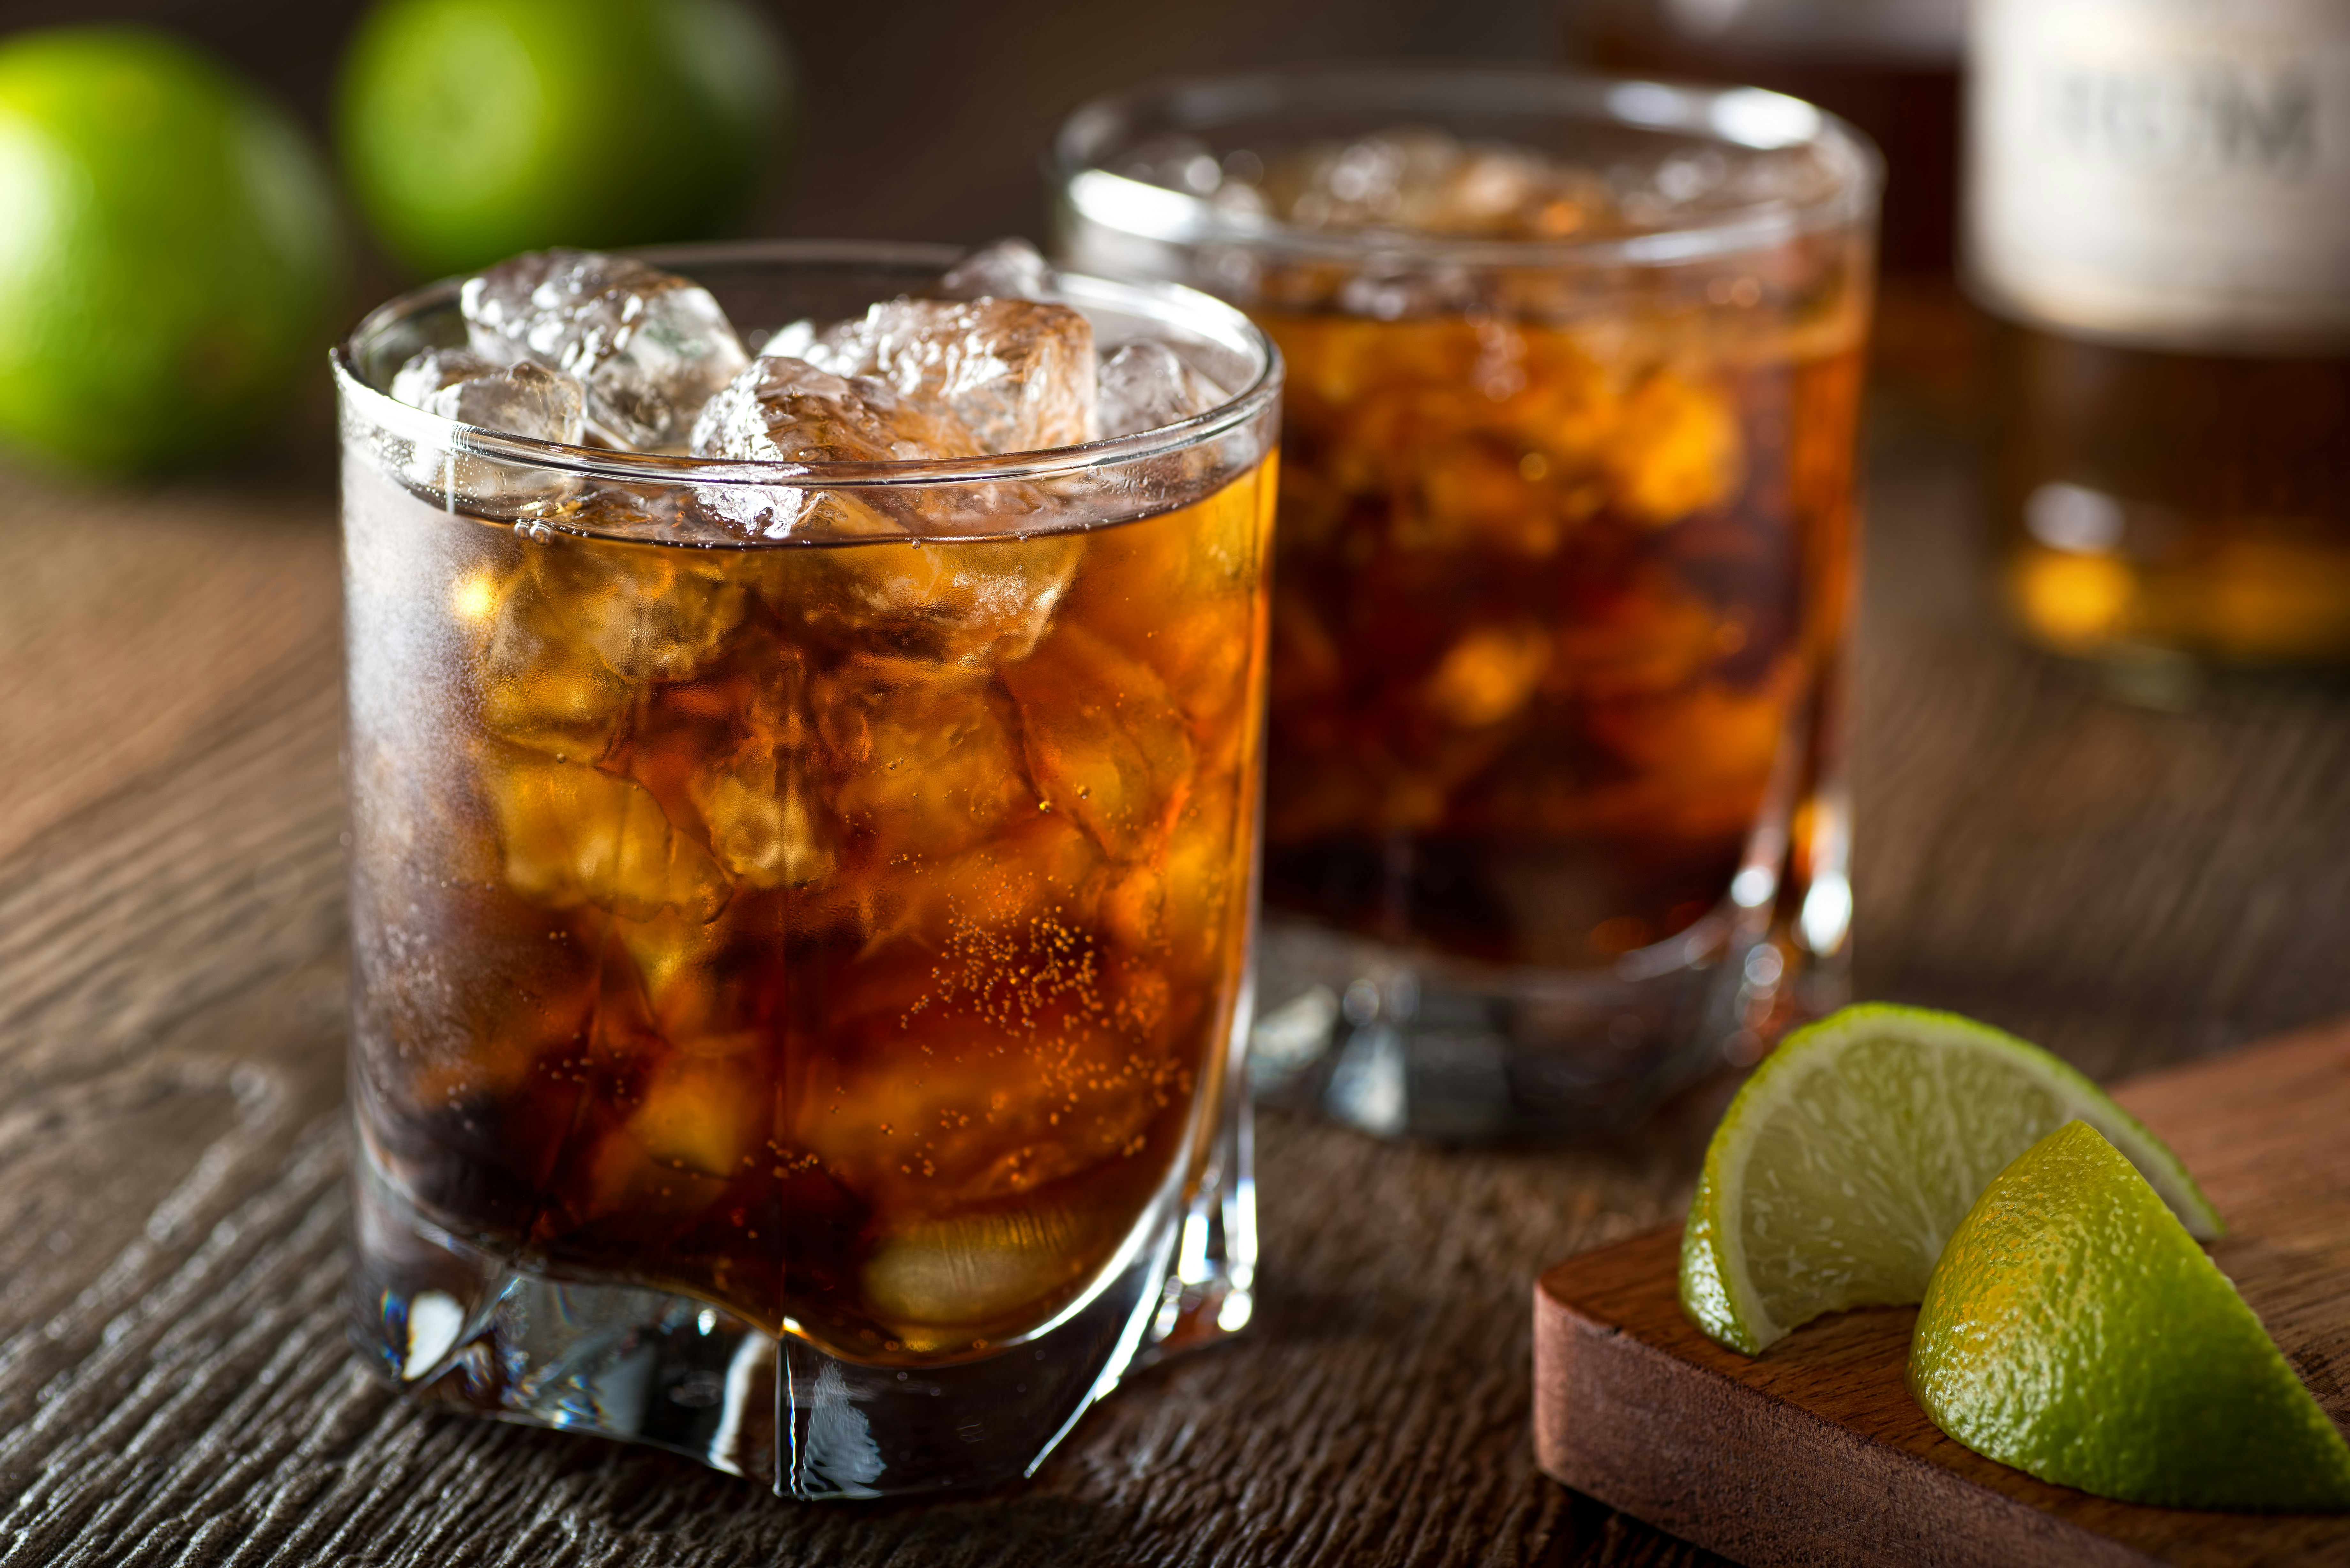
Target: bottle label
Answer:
pixel 2169 172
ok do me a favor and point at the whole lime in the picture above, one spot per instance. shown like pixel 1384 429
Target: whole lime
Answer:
pixel 474 128
pixel 168 249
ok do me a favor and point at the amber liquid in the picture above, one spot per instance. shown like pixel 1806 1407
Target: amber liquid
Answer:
pixel 1547 617
pixel 846 935
pixel 2218 500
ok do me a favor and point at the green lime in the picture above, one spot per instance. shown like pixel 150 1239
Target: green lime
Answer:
pixel 2076 1331
pixel 168 251
pixel 1846 1159
pixel 472 130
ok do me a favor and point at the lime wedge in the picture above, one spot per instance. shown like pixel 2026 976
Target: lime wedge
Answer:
pixel 2076 1331
pixel 1847 1159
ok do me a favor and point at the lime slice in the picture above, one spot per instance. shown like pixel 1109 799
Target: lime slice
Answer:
pixel 2074 1330
pixel 1847 1159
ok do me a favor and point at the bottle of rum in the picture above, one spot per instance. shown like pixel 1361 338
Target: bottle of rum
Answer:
pixel 2157 218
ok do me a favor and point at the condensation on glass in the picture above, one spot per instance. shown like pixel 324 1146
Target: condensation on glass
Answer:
pixel 1556 810
pixel 797 981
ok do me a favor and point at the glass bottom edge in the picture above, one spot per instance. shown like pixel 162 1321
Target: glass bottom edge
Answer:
pixel 1385 1040
pixel 450 1325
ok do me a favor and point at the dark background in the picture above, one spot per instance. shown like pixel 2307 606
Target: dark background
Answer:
pixel 923 118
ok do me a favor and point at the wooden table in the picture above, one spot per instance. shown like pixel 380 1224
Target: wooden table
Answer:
pixel 2130 886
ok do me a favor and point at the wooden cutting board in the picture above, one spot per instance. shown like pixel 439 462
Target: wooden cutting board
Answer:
pixel 1814 1452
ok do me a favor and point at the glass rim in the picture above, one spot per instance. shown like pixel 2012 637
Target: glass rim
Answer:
pixel 1212 319
pixel 1754 119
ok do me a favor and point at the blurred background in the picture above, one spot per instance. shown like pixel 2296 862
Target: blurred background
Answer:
pixel 933 127
pixel 930 124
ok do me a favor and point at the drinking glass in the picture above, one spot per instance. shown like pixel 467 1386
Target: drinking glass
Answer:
pixel 797 981
pixel 1556 811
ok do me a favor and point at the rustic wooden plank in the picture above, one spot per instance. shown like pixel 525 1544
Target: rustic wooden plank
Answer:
pixel 1815 1452
pixel 129 627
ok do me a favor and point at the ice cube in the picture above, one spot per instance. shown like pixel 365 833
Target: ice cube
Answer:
pixel 928 756
pixel 1709 729
pixel 1677 450
pixel 765 823
pixel 866 576
pixel 648 612
pixel 1489 675
pixel 540 685
pixel 1431 182
pixel 976 603
pixel 700 979
pixel 1206 877
pixel 1037 871
pixel 784 410
pixel 611 508
pixel 1008 269
pixel 1369 179
pixel 524 399
pixel 1144 385
pixel 1698 757
pixel 575 834
pixel 1017 372
pixel 1177 592
pixel 1104 741
pixel 704 1114
pixel 1492 190
pixel 1172 909
pixel 649 347
pixel 1000 1065
pixel 426 373
pixel 787 410
pixel 969 1271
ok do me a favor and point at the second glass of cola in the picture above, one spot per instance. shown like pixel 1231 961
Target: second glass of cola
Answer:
pixel 1555 798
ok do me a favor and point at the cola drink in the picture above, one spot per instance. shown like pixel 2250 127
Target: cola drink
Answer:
pixel 797 896
pixel 1555 810
pixel 1537 654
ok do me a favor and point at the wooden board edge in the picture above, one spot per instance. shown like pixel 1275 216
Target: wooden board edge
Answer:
pixel 1761 1481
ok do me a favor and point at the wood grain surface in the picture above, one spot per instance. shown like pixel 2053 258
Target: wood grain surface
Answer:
pixel 1814 1451
pixel 2132 886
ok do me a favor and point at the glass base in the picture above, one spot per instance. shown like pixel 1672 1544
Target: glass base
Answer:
pixel 1406 1045
pixel 450 1324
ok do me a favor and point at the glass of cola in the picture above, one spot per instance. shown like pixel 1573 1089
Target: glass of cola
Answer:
pixel 804 787
pixel 1556 804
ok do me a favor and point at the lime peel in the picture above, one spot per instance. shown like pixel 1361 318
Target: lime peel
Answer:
pixel 1850 1156
pixel 2074 1329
